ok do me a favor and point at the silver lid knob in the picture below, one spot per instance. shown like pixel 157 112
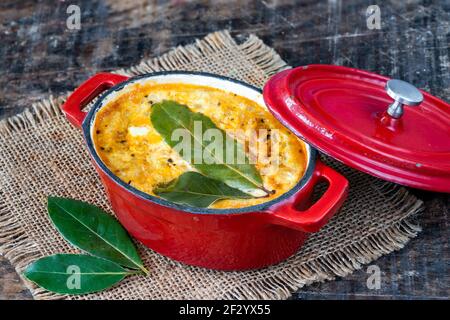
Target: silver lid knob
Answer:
pixel 403 93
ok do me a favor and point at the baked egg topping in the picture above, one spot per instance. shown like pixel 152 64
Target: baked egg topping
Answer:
pixel 133 150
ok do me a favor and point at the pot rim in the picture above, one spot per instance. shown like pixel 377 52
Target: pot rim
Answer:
pixel 265 206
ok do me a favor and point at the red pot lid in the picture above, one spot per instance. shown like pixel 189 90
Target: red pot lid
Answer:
pixel 343 112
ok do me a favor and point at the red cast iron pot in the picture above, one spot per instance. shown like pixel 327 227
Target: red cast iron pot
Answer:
pixel 225 239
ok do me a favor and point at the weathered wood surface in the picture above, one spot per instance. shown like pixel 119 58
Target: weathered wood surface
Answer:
pixel 40 56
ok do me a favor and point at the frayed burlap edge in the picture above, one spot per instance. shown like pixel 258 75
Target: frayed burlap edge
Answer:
pixel 343 262
pixel 20 250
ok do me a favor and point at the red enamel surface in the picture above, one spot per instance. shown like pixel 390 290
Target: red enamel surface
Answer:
pixel 341 111
pixel 224 241
pixel 86 92
pixel 219 241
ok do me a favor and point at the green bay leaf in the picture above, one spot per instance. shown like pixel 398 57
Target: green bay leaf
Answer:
pixel 168 116
pixel 74 273
pixel 197 190
pixel 94 231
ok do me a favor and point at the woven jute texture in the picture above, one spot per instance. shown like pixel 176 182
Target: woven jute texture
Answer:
pixel 41 155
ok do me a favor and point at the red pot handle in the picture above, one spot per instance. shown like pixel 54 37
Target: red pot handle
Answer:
pixel 317 215
pixel 85 93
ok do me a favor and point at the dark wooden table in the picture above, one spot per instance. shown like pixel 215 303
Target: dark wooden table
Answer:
pixel 40 56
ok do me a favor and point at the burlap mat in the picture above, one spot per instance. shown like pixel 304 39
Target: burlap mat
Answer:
pixel 41 155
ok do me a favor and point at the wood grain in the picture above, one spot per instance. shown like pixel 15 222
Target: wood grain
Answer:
pixel 40 56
